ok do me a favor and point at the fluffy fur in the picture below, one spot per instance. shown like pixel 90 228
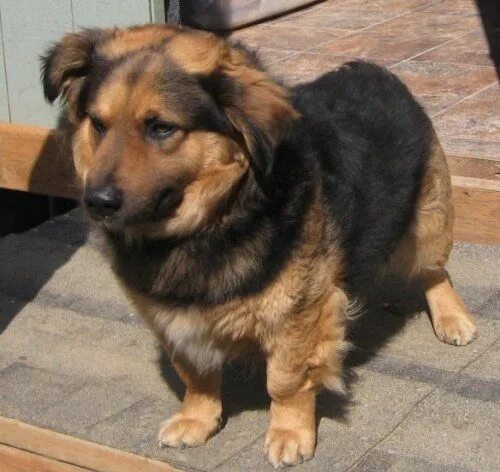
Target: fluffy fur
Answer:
pixel 249 211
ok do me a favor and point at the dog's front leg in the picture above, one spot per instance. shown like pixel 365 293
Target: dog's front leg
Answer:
pixel 291 437
pixel 306 355
pixel 200 415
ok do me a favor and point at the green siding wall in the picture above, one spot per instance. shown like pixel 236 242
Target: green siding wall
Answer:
pixel 27 27
pixel 4 101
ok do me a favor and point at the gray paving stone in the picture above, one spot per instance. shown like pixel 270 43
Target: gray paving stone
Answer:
pixel 58 276
pixel 5 361
pixel 91 404
pixel 474 271
pixel 72 344
pixel 382 462
pixel 238 433
pixel 450 429
pixel 414 341
pixel 135 428
pixel 487 367
pixel 69 229
pixel 26 393
pixel 28 262
pixel 348 430
pixel 472 387
pixel 50 266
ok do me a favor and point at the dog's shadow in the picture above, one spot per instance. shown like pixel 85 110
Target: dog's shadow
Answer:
pixel 389 305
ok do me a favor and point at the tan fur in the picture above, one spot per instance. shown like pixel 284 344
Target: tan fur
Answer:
pixel 428 243
pixel 196 54
pixel 425 250
pixel 136 38
pixel 291 437
pixel 200 415
pixel 452 321
pixel 208 164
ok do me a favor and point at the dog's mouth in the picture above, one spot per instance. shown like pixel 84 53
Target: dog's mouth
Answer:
pixel 138 211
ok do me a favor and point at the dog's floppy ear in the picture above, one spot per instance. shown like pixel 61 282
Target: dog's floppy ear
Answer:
pixel 66 64
pixel 257 107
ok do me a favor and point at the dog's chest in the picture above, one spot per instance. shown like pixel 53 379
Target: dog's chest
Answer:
pixel 189 335
pixel 206 337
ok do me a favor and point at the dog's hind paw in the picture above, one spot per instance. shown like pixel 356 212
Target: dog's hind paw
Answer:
pixel 182 431
pixel 458 329
pixel 285 447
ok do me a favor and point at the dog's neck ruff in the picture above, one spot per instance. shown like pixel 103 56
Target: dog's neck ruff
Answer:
pixel 218 264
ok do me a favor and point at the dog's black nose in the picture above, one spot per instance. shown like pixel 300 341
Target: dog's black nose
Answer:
pixel 103 201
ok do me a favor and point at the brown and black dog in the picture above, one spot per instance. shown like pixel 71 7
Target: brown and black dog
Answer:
pixel 239 215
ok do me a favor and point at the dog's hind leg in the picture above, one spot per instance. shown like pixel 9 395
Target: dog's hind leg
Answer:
pixel 451 319
pixel 424 251
pixel 200 414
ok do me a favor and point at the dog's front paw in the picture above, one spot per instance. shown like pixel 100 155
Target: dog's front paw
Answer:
pixel 183 431
pixel 285 447
pixel 457 329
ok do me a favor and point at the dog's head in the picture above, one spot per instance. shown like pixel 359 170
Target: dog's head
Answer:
pixel 168 122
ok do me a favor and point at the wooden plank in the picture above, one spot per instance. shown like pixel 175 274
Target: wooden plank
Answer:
pixel 475 168
pixel 37 160
pixel 477 210
pixel 17 460
pixel 480 184
pixel 78 452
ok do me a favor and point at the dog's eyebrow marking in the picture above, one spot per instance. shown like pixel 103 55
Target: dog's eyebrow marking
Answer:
pixel 100 68
pixel 138 68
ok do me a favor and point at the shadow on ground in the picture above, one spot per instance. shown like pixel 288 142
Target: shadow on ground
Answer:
pixel 28 263
pixel 389 305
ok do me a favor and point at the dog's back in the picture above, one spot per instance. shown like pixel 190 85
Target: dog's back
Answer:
pixel 372 141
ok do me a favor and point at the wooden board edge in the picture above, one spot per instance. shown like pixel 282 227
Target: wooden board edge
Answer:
pixel 473 183
pixel 13 459
pixel 75 451
pixel 38 160
pixel 474 167
pixel 477 211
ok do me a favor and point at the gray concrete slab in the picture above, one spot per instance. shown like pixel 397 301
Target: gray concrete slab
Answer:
pixel 52 266
pixel 475 271
pixel 75 345
pixel 451 427
pixel 27 393
pixel 379 461
pixel 240 431
pixel 74 357
pixel 91 404
pixel 133 429
pixel 348 429
pixel 487 367
pixel 413 340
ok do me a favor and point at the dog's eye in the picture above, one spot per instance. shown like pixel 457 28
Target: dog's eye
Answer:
pixel 157 129
pixel 98 125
